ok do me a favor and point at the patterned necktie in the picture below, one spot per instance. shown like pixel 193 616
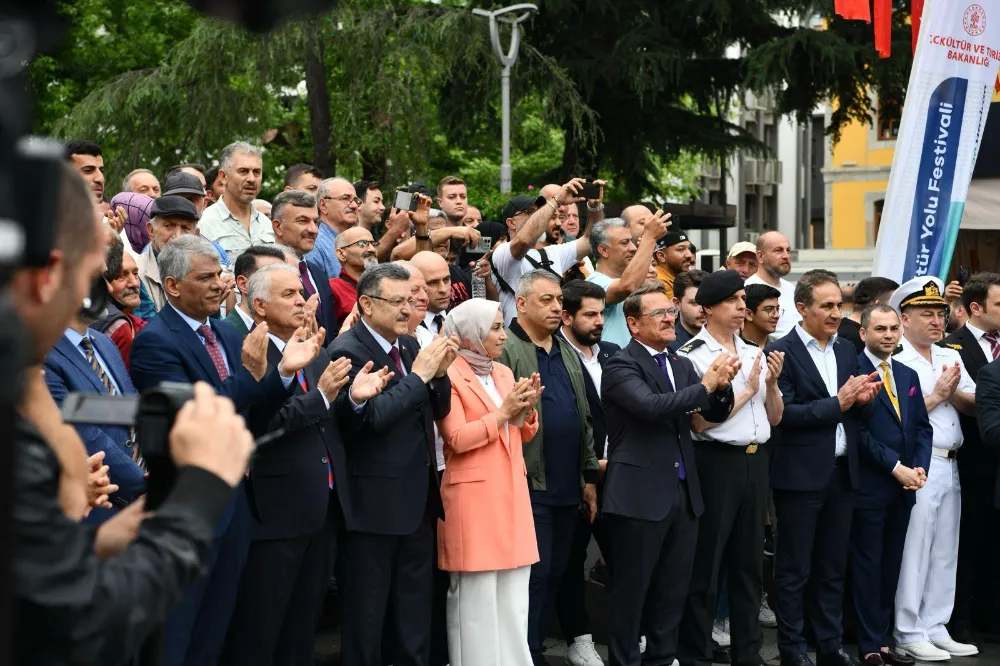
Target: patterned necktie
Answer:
pixel 300 376
pixel 661 360
pixel 394 355
pixel 993 337
pixel 306 282
pixel 214 351
pixel 88 349
pixel 887 383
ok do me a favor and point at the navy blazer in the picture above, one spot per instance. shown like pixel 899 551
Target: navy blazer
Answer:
pixel 67 371
pixel 886 439
pixel 389 444
pixel 650 428
pixel 804 452
pixel 325 314
pixel 167 350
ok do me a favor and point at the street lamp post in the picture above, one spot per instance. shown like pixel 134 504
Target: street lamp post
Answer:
pixel 513 16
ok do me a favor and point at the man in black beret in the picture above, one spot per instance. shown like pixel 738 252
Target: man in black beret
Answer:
pixel 671 257
pixel 733 467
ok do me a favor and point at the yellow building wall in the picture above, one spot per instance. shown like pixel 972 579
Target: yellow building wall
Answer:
pixel 848 207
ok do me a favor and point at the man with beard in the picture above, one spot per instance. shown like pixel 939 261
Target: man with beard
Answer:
pixel 691 317
pixel 582 326
pixel 621 268
pixel 295 226
pixel 743 259
pixel 453 199
pixel 356 251
pixel 672 256
pixel 372 207
pixel 338 211
pixel 86 158
pixel 232 221
pixel 774 263
pixel 122 276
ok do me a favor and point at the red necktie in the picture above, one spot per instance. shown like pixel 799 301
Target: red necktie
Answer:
pixel 394 355
pixel 306 282
pixel 301 376
pixel 214 351
pixel 993 337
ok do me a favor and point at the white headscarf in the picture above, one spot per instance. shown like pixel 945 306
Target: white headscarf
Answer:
pixel 472 321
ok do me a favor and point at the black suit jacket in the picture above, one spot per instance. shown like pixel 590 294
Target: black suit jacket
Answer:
pixel 389 443
pixel 649 428
pixel 604 353
pixel 289 478
pixel 974 458
pixel 325 315
pixel 988 409
pixel 803 457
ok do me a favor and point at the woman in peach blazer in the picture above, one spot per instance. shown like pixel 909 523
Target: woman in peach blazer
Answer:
pixel 487 540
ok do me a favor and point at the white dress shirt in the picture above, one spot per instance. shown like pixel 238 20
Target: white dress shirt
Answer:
pixel 653 352
pixel 825 361
pixel 280 344
pixel 983 343
pixel 248 320
pixel 876 361
pixel 749 424
pixel 594 368
pixel 944 417
pixel 429 322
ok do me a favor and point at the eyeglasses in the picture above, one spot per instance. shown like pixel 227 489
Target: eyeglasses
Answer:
pixel 396 302
pixel 662 313
pixel 772 311
pixel 362 244
pixel 346 198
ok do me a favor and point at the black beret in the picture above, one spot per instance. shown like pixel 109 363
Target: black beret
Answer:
pixel 671 238
pixel 717 287
pixel 173 206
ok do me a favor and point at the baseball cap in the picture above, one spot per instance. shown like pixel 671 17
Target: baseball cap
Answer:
pixel 742 247
pixel 519 204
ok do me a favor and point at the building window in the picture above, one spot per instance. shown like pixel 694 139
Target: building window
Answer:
pixel 889 114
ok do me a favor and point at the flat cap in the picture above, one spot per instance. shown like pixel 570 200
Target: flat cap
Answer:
pixel 717 287
pixel 924 290
pixel 173 206
pixel 180 182
pixel 671 238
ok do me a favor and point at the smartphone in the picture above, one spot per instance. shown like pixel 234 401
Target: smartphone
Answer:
pixel 963 275
pixel 590 190
pixel 406 201
pixel 484 246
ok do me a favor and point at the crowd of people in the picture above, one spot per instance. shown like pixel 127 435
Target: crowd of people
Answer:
pixel 449 410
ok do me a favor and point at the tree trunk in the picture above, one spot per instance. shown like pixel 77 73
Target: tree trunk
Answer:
pixel 320 122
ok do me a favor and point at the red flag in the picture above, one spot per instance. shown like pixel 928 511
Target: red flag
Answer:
pixel 916 13
pixel 853 9
pixel 883 27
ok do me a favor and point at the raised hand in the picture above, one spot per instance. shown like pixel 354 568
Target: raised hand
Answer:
pixel 594 203
pixel 848 393
pixel 775 361
pixel 254 352
pixel 517 400
pixel 334 377
pixel 312 303
pixel 947 382
pixel 399 221
pixel 570 192
pixel 451 352
pixel 228 284
pixel 116 219
pixel 427 362
pixel 420 216
pixel 753 374
pixel 300 351
pixel 656 226
pixel 869 388
pixel 368 384
pixel 720 372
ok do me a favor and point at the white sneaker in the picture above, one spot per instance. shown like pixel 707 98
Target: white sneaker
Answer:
pixel 642 644
pixel 954 648
pixel 719 633
pixel 924 651
pixel 766 616
pixel 582 652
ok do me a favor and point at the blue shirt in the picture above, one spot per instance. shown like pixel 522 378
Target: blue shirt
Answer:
pixel 615 327
pixel 561 433
pixel 324 251
pixel 76 338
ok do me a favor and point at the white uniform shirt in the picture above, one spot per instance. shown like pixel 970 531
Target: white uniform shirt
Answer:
pixel 749 423
pixel 562 256
pixel 944 417
pixel 789 315
pixel 825 361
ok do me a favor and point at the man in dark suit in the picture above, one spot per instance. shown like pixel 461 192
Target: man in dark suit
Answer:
pixel 293 544
pixel 977 593
pixel 652 499
pixel 250 261
pixel 388 547
pixel 583 324
pixel 85 361
pixel 814 468
pixel 186 344
pixel 895 455
pixel 295 221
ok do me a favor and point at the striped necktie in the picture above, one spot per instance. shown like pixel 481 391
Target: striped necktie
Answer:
pixel 993 337
pixel 87 345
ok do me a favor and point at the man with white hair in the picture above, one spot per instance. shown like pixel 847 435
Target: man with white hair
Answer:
pixel 233 221
pixel 142 181
pixel 338 211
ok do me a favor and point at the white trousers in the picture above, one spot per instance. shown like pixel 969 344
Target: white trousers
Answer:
pixel 488 618
pixel 925 595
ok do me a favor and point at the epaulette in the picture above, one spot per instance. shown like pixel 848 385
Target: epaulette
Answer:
pixel 691 346
pixel 953 346
pixel 898 349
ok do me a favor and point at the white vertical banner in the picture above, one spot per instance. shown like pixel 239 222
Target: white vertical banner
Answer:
pixel 947 101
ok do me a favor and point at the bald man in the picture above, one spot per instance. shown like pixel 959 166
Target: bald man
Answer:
pixel 355 253
pixel 636 216
pixel 338 211
pixel 774 262
pixel 437 279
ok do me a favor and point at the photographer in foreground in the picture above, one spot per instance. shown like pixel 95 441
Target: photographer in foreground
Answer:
pixel 79 590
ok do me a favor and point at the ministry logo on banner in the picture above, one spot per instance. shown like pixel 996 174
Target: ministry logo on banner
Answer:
pixel 947 101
